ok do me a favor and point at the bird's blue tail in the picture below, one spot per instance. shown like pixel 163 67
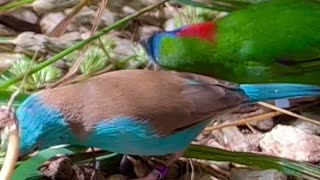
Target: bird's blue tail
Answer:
pixel 262 92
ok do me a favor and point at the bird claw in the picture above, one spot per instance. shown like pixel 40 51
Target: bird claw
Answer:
pixel 159 172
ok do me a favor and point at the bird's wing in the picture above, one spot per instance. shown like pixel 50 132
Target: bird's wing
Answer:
pixel 166 101
pixel 305 65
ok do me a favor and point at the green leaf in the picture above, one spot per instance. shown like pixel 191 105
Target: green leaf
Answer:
pixel 29 168
pixel 286 166
pixel 5 39
pixel 36 80
pixel 139 60
pixel 189 15
pixel 5 97
pixel 15 4
pixel 95 61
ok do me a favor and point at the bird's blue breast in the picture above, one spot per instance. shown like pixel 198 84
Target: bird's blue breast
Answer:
pixel 129 136
pixel 40 124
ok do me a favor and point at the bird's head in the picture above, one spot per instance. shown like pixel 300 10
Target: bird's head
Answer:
pixel 154 44
pixel 40 126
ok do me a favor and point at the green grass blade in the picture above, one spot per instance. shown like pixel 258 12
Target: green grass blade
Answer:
pixel 29 168
pixel 286 166
pixel 6 39
pixel 236 3
pixel 219 5
pixel 87 156
pixel 212 6
pixel 82 43
pixel 14 5
pixel 5 97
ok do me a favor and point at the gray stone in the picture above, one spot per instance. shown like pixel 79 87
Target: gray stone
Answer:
pixel 251 174
pixel 2 2
pixel 45 6
pixel 7 59
pixel 147 31
pixel 5 31
pixel 50 21
pixel 26 15
pixel 292 143
pixel 306 126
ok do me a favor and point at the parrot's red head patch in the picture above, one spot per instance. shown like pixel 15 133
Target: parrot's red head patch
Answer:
pixel 205 31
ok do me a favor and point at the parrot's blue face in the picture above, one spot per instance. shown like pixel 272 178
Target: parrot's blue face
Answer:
pixel 153 45
pixel 32 126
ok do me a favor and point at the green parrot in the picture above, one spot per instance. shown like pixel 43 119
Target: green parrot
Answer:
pixel 276 41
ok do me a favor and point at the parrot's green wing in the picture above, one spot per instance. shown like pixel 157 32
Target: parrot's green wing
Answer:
pixel 221 5
pixel 302 66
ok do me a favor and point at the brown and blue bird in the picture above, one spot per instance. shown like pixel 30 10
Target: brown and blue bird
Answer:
pixel 138 112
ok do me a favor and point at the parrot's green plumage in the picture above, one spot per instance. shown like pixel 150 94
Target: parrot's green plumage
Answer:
pixel 273 41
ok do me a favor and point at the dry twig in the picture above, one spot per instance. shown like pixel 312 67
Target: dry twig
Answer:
pixel 8 123
pixel 77 64
pixel 62 26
